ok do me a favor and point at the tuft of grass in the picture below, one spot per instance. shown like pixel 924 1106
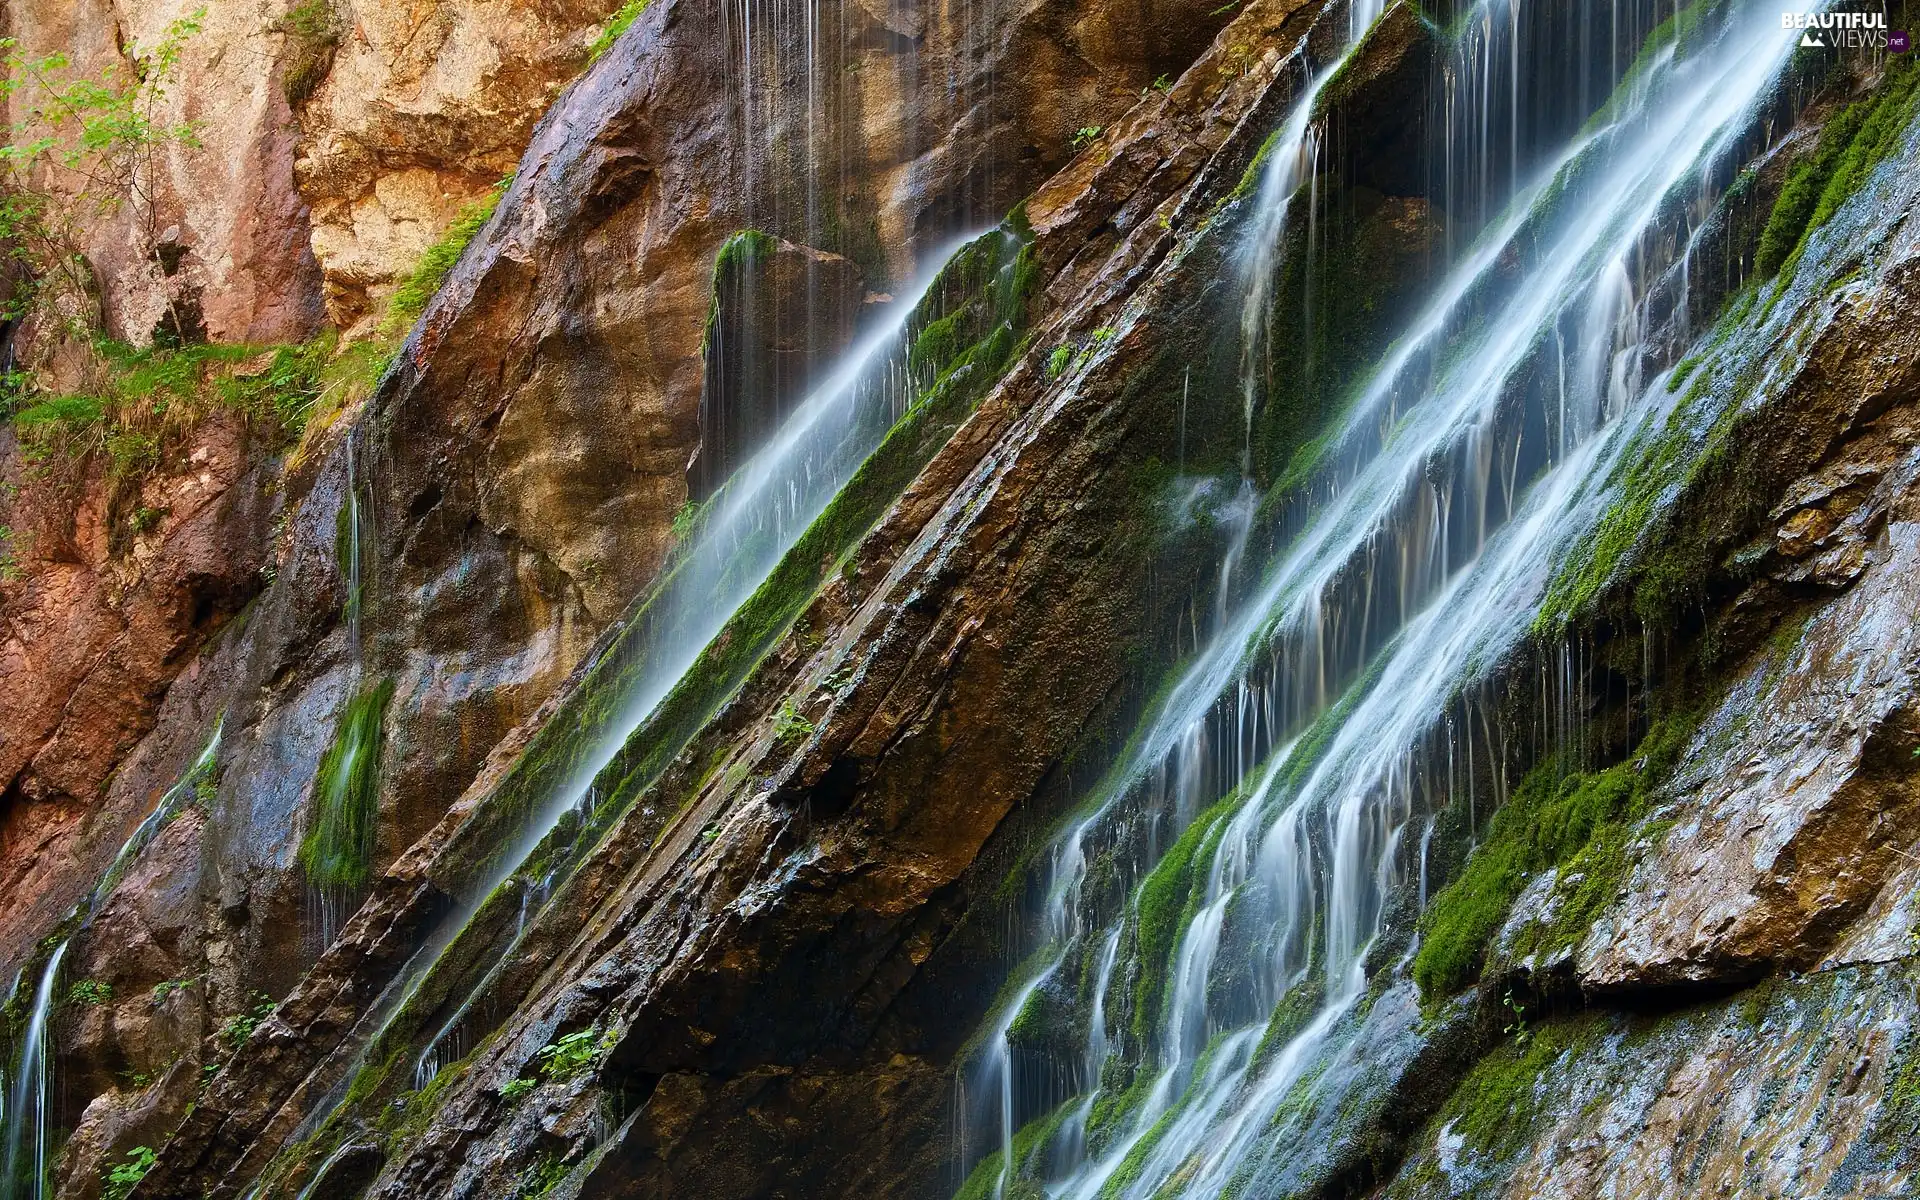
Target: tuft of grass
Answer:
pixel 140 404
pixel 313 31
pixel 617 24
pixel 410 299
pixel 338 848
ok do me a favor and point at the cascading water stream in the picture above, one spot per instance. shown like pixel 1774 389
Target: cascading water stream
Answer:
pixel 749 525
pixel 23 1172
pixel 24 1099
pixel 1422 565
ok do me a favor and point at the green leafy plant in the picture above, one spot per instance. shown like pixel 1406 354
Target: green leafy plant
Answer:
pixel 514 1089
pixel 122 1177
pixel 1059 361
pixel 686 519
pixel 1517 1027
pixel 240 1026
pixel 542 1175
pixel 1086 135
pixel 790 725
pixel 573 1053
pixel 90 992
pixel 167 987
pixel 617 24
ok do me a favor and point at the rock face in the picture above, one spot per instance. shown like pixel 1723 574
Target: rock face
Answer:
pixel 1794 1090
pixel 100 619
pixel 514 484
pixel 420 109
pixel 222 203
pixel 781 314
pixel 754 955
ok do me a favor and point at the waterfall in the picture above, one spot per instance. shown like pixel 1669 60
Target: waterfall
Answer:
pixel 23 1174
pixel 745 530
pixel 1446 490
pixel 24 1102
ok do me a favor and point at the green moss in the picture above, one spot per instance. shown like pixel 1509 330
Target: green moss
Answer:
pixel 338 848
pixel 1296 1009
pixel 1166 897
pixel 410 299
pixel 1496 1104
pixel 1250 178
pixel 1852 143
pixel 1658 465
pixel 1680 31
pixel 1584 822
pixel 313 31
pixel 1113 1106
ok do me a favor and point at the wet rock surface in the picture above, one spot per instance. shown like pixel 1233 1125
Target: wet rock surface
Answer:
pixel 758 974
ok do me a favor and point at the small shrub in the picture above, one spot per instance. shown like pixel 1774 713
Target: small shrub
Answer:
pixel 240 1026
pixel 167 987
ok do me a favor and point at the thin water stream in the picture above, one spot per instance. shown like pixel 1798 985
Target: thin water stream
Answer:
pixel 747 528
pixel 26 1138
